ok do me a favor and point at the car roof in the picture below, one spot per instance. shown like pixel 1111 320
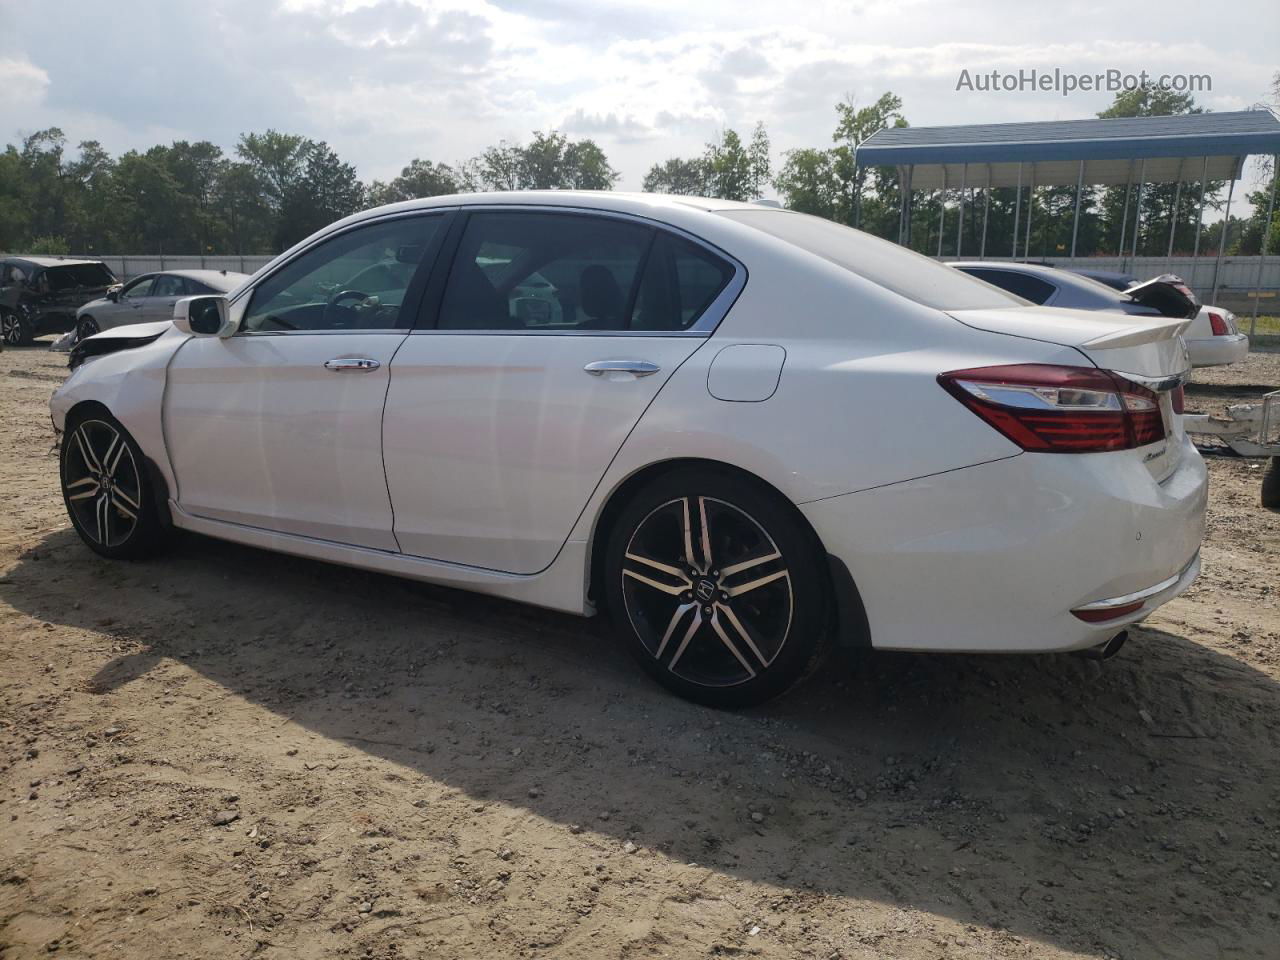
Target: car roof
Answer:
pixel 52 261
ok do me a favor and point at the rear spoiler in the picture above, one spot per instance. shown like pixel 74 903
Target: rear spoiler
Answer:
pixel 1131 336
pixel 1167 294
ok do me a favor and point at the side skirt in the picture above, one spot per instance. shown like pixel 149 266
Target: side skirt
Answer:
pixel 562 586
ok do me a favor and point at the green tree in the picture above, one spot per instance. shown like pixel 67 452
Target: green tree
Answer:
pixel 807 182
pixel 855 124
pixel 421 178
pixel 677 175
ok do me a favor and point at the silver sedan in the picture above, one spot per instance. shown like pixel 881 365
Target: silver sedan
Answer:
pixel 151 297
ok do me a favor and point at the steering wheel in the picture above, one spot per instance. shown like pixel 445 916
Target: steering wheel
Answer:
pixel 338 297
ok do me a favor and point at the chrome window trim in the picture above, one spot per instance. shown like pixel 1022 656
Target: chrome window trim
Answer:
pixel 706 324
pixel 402 331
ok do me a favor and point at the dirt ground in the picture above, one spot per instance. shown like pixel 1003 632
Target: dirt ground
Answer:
pixel 229 753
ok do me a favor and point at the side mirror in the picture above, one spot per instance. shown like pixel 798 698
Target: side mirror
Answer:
pixel 113 292
pixel 203 317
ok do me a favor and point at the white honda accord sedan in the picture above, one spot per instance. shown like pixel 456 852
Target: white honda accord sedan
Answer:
pixel 743 432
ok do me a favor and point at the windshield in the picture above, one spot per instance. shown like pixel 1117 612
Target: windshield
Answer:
pixel 895 268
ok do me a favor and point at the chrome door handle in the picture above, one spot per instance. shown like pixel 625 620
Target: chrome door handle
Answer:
pixel 352 365
pixel 641 368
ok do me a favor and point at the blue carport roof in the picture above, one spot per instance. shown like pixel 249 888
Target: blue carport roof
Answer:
pixel 1178 144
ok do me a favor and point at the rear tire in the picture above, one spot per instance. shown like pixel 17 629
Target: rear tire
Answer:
pixel 107 490
pixel 732 629
pixel 1271 485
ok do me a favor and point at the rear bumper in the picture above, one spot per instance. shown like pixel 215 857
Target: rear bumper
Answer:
pixel 1217 351
pixel 994 558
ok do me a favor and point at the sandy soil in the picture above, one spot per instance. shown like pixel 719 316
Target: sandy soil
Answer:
pixel 415 772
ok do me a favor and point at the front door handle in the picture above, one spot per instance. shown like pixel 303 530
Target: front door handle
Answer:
pixel 352 365
pixel 640 368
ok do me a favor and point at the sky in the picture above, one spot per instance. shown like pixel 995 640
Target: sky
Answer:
pixel 384 81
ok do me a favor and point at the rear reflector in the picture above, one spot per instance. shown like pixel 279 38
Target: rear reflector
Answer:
pixel 1052 409
pixel 1104 614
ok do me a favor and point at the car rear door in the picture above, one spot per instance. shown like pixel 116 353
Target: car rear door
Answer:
pixel 536 356
pixel 279 427
pixel 165 294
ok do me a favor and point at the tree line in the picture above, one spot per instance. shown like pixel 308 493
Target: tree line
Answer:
pixel 275 188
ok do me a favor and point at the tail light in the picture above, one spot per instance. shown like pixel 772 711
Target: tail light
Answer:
pixel 1178 398
pixel 1052 409
pixel 1218 324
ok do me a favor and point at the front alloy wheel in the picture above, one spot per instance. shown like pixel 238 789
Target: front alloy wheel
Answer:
pixel 106 489
pixel 717 589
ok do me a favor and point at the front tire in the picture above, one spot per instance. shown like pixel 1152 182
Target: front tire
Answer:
pixel 15 330
pixel 86 328
pixel 714 585
pixel 106 489
pixel 1271 485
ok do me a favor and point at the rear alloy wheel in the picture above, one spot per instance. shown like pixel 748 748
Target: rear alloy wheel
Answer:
pixel 15 330
pixel 86 328
pixel 106 490
pixel 716 588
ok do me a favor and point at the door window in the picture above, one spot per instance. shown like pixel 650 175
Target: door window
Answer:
pixel 680 281
pixel 167 286
pixel 544 271
pixel 139 288
pixel 356 280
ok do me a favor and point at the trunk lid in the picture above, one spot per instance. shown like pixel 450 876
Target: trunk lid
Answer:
pixel 1166 294
pixel 1148 351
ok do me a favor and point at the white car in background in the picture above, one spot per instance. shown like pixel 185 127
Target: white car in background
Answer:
pixel 741 431
pixel 1214 339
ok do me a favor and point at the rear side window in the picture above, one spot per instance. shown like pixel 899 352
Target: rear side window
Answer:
pixel 905 272
pixel 1019 284
pixel 169 286
pixel 680 281
pixel 549 272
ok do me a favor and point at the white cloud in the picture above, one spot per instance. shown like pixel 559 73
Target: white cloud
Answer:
pixel 386 80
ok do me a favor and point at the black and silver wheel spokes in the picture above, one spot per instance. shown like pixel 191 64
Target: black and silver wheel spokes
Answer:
pixel 102 483
pixel 707 591
pixel 12 329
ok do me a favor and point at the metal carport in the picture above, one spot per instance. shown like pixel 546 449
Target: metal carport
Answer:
pixel 1134 151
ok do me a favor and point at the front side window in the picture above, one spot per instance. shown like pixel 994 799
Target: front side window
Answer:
pixel 139 288
pixel 545 272
pixel 356 280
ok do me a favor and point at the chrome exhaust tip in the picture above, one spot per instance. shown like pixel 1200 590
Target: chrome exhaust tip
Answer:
pixel 1105 651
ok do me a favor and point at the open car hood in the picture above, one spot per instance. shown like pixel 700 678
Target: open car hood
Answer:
pixel 1167 294
pixel 118 338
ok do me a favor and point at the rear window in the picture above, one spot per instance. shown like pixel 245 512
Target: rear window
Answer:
pixel 79 275
pixel 895 268
pixel 1021 284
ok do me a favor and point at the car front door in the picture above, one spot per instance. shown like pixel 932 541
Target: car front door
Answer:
pixel 131 305
pixel 534 359
pixel 279 426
